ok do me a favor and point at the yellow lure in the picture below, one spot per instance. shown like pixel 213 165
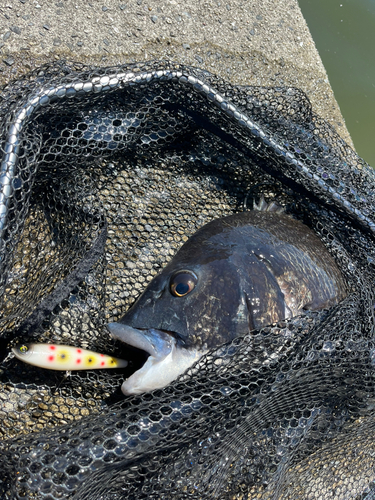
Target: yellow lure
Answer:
pixel 64 357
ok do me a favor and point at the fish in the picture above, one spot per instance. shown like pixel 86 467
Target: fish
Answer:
pixel 64 357
pixel 236 274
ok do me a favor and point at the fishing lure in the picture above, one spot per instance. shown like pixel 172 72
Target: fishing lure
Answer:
pixel 64 357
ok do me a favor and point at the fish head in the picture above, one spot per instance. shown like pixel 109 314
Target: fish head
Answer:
pixel 200 300
pixel 193 303
pixel 183 312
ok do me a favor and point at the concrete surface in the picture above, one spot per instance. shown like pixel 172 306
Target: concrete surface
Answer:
pixel 253 42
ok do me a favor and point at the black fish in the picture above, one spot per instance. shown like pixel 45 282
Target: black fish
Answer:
pixel 234 275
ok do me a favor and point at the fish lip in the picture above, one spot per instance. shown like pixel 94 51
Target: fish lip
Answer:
pixel 166 361
pixel 157 343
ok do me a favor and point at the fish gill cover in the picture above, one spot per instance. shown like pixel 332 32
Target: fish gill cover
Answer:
pixel 105 173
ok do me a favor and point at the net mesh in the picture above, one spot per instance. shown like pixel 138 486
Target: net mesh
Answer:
pixel 105 173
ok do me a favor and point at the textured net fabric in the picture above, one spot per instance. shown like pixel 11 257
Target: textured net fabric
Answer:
pixel 105 173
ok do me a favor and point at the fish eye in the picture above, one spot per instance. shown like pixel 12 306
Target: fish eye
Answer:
pixel 182 283
pixel 23 349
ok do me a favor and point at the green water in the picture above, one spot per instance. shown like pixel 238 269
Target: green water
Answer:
pixel 344 34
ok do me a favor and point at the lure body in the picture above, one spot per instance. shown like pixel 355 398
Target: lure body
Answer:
pixel 63 357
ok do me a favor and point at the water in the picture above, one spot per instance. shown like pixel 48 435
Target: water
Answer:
pixel 344 34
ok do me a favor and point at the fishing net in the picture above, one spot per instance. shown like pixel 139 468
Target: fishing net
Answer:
pixel 105 173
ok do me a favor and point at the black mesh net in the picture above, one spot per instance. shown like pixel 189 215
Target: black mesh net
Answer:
pixel 105 173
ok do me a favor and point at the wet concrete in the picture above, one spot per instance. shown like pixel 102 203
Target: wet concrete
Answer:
pixel 263 42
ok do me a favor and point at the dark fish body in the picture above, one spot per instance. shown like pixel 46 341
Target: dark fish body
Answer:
pixel 234 275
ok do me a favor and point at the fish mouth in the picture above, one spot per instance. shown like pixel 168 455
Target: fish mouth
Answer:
pixel 167 358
